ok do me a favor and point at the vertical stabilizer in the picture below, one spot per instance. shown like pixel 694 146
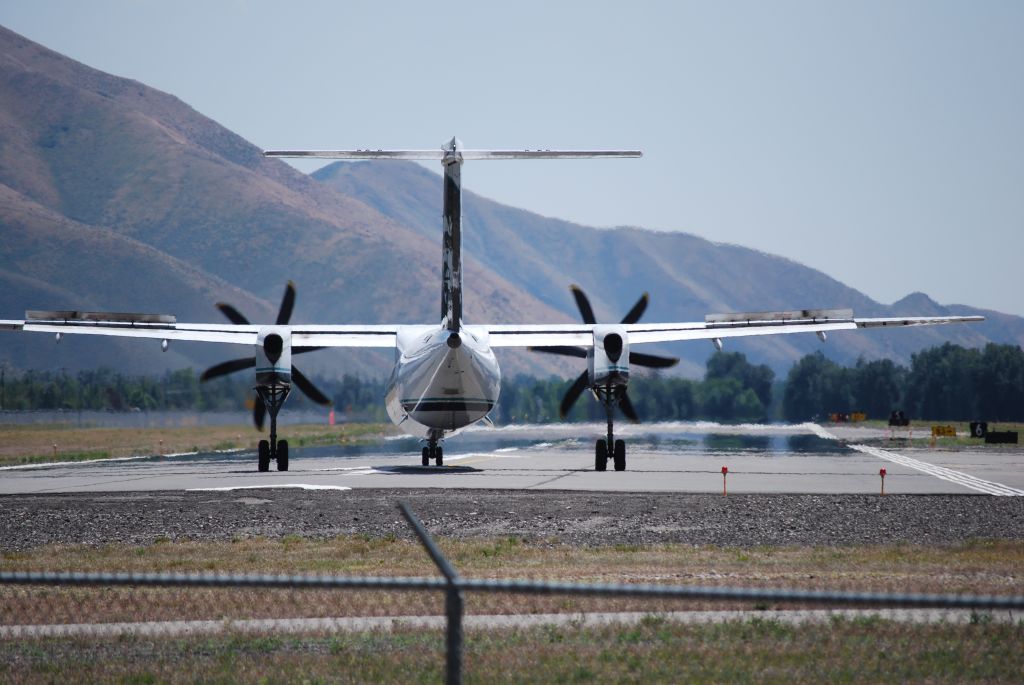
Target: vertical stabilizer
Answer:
pixel 452 155
pixel 451 246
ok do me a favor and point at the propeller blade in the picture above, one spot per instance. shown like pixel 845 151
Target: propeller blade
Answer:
pixel 563 350
pixel 637 311
pixel 259 412
pixel 308 388
pixel 287 304
pixel 573 394
pixel 234 316
pixel 627 408
pixel 583 304
pixel 651 361
pixel 303 350
pixel 225 368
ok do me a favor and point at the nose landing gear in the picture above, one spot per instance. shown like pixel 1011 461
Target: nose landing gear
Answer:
pixel 273 397
pixel 610 448
pixel 432 452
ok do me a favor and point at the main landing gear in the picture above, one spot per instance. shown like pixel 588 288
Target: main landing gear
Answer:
pixel 433 452
pixel 273 398
pixel 610 448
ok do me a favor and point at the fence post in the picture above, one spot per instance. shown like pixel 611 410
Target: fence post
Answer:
pixel 453 600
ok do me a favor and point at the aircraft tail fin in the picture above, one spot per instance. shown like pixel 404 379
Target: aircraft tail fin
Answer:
pixel 452 155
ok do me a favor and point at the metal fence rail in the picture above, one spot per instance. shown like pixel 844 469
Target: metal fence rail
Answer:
pixel 454 586
pixel 530 587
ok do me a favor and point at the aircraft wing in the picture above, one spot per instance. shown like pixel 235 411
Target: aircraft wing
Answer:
pixel 718 326
pixel 166 327
pixel 715 326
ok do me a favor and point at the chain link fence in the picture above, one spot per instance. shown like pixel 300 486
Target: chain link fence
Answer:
pixel 212 627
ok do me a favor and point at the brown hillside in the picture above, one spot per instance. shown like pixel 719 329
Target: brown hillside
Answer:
pixel 90 158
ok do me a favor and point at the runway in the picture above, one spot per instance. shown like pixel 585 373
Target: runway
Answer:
pixel 664 457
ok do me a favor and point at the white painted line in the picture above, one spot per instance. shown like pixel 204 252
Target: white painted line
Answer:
pixel 83 462
pixel 460 457
pixel 270 486
pixel 820 431
pixel 959 477
pixel 351 470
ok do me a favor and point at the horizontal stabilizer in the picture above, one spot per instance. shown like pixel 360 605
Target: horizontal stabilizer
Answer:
pixel 438 155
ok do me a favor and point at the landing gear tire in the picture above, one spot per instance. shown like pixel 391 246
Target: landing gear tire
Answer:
pixel 264 455
pixel 282 455
pixel 601 456
pixel 425 461
pixel 620 455
pixel 440 456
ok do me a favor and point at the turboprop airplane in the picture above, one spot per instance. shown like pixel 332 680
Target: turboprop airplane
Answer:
pixel 446 376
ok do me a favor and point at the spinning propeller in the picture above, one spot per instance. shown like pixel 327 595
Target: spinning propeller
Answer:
pixel 272 346
pixel 583 381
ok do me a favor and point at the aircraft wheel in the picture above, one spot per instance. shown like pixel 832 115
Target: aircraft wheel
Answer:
pixel 282 455
pixel 601 456
pixel 264 455
pixel 620 455
pixel 425 461
pixel 440 456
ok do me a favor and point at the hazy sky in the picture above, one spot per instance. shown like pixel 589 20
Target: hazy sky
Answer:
pixel 881 142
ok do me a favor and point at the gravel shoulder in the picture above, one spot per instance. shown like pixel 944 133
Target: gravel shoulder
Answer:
pixel 556 517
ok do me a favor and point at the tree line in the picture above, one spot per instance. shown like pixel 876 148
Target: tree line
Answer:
pixel 942 383
pixel 945 383
pixel 109 390
pixel 733 389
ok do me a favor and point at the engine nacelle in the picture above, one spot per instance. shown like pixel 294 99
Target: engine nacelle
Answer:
pixel 274 356
pixel 609 362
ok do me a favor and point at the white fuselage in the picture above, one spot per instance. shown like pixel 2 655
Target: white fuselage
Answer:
pixel 442 381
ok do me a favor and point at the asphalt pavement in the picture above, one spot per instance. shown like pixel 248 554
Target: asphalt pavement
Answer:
pixel 665 457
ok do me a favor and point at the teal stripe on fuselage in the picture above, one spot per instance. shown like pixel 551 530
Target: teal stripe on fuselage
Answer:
pixel 452 398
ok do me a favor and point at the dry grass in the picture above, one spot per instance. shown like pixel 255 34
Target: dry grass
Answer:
pixel 982 567
pixel 655 650
pixel 975 566
pixel 43 443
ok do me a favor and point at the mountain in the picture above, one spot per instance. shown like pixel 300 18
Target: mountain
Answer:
pixel 102 175
pixel 115 196
pixel 687 276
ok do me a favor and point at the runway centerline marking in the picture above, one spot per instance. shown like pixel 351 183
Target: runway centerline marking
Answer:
pixel 959 477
